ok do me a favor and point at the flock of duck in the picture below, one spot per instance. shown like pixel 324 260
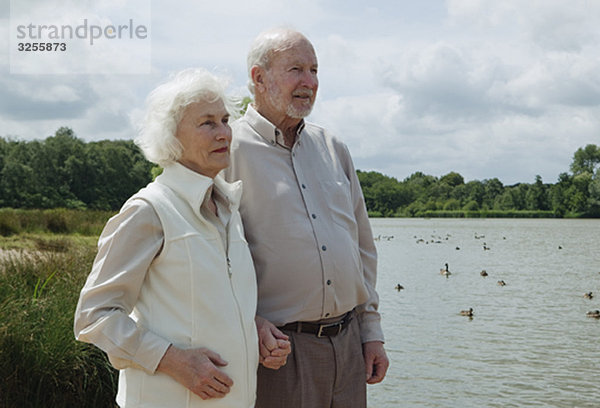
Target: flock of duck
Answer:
pixel 445 271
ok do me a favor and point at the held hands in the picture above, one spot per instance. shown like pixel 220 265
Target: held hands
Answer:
pixel 376 361
pixel 274 346
pixel 197 370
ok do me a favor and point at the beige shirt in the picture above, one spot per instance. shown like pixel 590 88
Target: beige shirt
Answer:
pixel 306 224
pixel 129 243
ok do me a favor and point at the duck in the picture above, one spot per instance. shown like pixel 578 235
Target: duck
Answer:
pixel 445 271
pixel 501 283
pixel 588 295
pixel 594 313
pixel 399 287
pixel 467 312
pixel 483 273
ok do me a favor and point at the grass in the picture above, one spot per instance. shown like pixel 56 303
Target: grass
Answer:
pixel 55 221
pixel 41 364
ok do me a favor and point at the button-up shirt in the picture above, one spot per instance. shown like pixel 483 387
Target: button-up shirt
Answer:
pixel 306 224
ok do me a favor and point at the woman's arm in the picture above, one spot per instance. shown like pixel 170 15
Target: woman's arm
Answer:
pixel 128 244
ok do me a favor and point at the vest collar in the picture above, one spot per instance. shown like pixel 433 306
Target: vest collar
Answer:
pixel 192 186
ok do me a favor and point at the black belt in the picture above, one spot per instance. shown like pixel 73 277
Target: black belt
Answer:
pixel 321 330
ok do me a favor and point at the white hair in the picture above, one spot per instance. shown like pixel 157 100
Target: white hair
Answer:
pixel 165 106
pixel 265 45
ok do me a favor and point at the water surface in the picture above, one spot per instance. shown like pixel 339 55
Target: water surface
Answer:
pixel 530 343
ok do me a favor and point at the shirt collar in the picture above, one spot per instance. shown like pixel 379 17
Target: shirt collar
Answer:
pixel 192 186
pixel 266 129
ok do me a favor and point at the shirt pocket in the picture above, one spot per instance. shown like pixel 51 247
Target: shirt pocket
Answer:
pixel 339 202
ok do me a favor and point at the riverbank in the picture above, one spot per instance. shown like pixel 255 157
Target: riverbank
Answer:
pixel 484 214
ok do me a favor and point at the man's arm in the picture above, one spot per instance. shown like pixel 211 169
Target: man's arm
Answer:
pixel 274 345
pixel 376 361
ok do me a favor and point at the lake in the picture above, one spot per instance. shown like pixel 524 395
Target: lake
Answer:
pixel 529 343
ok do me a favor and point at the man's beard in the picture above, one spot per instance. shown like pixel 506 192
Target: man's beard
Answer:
pixel 291 110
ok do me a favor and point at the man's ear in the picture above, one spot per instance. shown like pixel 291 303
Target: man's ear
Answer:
pixel 257 74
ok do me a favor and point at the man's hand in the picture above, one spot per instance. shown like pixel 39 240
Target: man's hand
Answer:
pixel 197 370
pixel 376 361
pixel 274 345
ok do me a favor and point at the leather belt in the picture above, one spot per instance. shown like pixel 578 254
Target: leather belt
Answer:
pixel 320 330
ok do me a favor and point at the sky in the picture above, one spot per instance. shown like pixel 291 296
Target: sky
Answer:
pixel 489 89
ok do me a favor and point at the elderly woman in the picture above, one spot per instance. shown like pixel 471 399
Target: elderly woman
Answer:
pixel 171 297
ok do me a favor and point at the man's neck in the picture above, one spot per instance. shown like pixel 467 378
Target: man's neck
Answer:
pixel 287 125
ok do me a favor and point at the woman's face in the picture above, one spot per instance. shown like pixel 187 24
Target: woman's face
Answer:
pixel 205 135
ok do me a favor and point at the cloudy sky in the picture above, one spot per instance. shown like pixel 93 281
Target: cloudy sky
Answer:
pixel 507 89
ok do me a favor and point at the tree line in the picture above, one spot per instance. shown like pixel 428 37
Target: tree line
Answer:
pixel 63 171
pixel 575 194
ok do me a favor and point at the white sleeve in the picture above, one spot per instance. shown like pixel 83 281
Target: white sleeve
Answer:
pixel 127 246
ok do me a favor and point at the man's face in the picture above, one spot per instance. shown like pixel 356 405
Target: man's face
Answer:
pixel 291 80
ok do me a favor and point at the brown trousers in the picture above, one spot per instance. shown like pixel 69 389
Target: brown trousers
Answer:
pixel 327 372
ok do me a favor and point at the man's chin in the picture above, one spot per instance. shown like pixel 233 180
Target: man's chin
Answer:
pixel 299 113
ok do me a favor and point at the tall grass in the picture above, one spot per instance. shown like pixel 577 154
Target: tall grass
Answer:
pixel 57 221
pixel 41 364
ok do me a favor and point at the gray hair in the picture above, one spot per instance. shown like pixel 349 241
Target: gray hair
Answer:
pixel 165 106
pixel 265 45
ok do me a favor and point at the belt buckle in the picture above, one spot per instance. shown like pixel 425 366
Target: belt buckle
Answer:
pixel 326 326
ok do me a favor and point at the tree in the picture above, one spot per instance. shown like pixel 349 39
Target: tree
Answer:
pixel 536 197
pixel 453 179
pixel 492 188
pixel 586 160
pixel 594 199
pixel 557 194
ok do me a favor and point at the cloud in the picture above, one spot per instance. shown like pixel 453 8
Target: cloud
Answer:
pixel 485 88
pixel 33 98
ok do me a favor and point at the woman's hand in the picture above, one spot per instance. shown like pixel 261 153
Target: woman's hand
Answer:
pixel 197 370
pixel 274 345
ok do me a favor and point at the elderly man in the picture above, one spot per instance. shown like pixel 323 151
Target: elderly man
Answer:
pixel 308 231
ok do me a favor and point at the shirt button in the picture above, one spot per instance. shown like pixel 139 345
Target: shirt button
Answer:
pixel 314 216
pixel 303 186
pixel 326 314
pixel 329 281
pixel 324 248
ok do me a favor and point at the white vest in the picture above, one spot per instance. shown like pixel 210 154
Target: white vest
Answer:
pixel 197 293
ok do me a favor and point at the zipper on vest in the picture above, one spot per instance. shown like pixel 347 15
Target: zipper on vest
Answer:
pixel 241 323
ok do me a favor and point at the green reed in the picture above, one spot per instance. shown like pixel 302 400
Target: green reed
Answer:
pixel 41 364
pixel 56 221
